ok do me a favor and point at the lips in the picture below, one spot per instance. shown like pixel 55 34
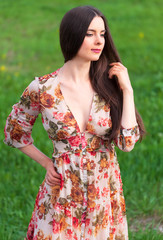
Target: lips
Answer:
pixel 96 50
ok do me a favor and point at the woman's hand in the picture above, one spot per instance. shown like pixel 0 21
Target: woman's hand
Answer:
pixel 122 74
pixel 52 177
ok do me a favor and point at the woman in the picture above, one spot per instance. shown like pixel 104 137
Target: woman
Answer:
pixel 87 108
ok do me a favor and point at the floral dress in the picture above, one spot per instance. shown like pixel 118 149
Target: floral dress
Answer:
pixel 89 203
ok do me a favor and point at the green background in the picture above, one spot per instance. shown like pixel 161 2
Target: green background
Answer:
pixel 29 47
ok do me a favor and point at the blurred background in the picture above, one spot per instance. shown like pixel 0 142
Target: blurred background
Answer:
pixel 29 47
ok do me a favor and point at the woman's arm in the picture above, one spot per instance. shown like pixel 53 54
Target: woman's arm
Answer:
pixel 129 131
pixel 19 126
pixel 128 112
pixel 52 177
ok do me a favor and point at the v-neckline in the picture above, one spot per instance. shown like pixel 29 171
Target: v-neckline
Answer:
pixel 68 108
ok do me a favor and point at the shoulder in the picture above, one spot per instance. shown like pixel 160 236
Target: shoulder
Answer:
pixel 43 79
pixel 34 85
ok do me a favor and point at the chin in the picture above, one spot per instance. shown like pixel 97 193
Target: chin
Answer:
pixel 95 59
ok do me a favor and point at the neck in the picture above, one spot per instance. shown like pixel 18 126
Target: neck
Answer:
pixel 77 70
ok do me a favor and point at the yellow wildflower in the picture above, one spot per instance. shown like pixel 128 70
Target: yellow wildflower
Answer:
pixel 141 35
pixel 2 68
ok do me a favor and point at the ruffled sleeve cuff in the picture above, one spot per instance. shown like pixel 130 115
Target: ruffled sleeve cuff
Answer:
pixel 127 138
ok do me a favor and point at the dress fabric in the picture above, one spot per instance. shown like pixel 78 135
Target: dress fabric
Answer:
pixel 89 204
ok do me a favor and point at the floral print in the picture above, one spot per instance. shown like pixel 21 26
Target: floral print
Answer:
pixel 89 203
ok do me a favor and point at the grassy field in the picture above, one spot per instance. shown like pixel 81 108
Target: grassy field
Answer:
pixel 29 46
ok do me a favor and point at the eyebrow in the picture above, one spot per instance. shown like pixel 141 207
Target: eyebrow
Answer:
pixel 92 30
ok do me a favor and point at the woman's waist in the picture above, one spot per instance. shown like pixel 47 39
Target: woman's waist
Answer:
pixel 92 145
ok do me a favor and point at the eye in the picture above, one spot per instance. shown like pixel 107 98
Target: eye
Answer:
pixel 89 34
pixel 103 35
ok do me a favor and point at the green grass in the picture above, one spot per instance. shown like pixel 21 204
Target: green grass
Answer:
pixel 30 47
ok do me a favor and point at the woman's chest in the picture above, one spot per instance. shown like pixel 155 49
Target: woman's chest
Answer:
pixel 58 117
pixel 78 99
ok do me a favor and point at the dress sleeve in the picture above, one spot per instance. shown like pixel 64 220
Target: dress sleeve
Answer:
pixel 19 123
pixel 127 138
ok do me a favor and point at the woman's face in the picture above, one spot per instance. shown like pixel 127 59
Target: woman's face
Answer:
pixel 94 41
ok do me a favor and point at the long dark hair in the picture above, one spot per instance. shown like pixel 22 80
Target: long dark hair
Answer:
pixel 73 28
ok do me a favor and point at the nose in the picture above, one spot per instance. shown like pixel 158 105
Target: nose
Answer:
pixel 99 39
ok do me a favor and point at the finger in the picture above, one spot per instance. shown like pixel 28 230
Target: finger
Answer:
pixel 113 72
pixel 120 65
pixel 53 172
pixel 115 69
pixel 51 183
pixel 118 68
pixel 52 178
pixel 116 63
pixel 111 75
pixel 55 175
